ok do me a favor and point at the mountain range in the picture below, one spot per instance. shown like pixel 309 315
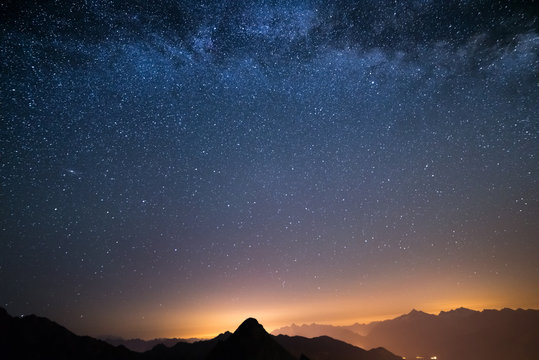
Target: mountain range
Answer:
pixel 141 345
pixel 459 334
pixel 37 338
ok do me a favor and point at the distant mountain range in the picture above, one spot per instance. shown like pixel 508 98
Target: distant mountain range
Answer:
pixel 37 338
pixel 459 334
pixel 141 345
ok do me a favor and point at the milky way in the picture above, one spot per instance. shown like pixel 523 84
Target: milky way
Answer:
pixel 181 160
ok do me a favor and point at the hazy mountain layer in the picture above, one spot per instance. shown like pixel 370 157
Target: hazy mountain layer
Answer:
pixel 459 334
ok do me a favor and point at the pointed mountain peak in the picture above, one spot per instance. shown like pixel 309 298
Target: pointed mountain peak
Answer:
pixel 250 326
pixel 415 314
pixel 250 322
pixel 249 341
pixel 461 311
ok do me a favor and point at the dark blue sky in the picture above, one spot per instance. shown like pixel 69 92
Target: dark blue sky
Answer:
pixel 180 159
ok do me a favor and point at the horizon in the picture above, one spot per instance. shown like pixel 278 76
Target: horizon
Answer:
pixel 169 167
pixel 339 323
pixel 413 335
pixel 271 330
pixel 343 323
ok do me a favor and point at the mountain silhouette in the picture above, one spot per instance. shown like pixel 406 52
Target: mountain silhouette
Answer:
pixel 198 350
pixel 462 334
pixel 459 334
pixel 141 345
pixel 35 338
pixel 343 333
pixel 250 342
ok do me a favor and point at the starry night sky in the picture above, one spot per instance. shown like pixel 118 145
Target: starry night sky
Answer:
pixel 170 168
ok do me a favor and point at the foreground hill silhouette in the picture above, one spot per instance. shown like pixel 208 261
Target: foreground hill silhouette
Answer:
pixel 326 348
pixel 33 337
pixel 459 334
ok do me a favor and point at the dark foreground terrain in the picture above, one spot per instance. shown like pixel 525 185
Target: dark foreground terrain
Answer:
pixel 33 337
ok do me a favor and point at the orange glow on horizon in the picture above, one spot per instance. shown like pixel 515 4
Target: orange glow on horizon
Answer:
pixel 272 320
pixel 275 307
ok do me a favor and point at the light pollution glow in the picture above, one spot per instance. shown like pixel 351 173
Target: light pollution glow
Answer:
pixel 208 316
